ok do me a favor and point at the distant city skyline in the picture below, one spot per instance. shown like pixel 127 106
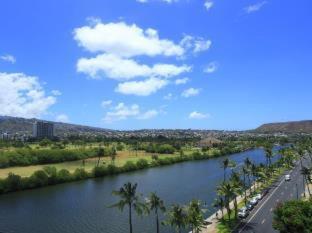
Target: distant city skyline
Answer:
pixel 133 64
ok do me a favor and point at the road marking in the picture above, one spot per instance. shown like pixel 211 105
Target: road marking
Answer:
pixel 282 193
pixel 277 200
pixel 271 209
pixel 262 205
pixel 263 221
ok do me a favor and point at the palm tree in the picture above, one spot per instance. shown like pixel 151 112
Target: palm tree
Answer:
pixel 254 173
pixel 237 189
pixel 227 163
pixel 245 172
pixel 195 216
pixel 306 173
pixel 155 204
pixel 248 164
pixel 225 190
pixel 177 218
pixel 129 197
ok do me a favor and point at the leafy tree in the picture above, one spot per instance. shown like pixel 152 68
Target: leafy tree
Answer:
pixel 293 216
pixel 306 173
pixel 100 154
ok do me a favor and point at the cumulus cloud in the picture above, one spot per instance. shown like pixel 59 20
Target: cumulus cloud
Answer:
pixel 106 103
pixel 118 68
pixel 198 115
pixel 125 40
pixel 181 81
pixel 211 67
pixel 195 44
pixel 62 118
pixel 190 92
pixel 122 112
pixel 208 4
pixel 255 7
pixel 141 88
pixel 23 96
pixel 8 58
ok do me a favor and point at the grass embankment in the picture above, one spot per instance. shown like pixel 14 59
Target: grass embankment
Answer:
pixel 225 225
pixel 121 158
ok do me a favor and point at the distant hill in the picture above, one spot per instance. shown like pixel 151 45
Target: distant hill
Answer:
pixel 17 125
pixel 286 127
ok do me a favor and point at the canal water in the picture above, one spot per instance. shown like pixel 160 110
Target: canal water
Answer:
pixel 83 207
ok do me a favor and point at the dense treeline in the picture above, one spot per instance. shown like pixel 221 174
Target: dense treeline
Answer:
pixel 25 157
pixel 50 175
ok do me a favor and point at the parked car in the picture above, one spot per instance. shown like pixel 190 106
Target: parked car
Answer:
pixel 265 192
pixel 259 196
pixel 243 212
pixel 249 206
pixel 287 177
pixel 253 201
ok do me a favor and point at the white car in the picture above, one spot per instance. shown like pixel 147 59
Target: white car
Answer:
pixel 287 177
pixel 259 196
pixel 253 201
pixel 243 212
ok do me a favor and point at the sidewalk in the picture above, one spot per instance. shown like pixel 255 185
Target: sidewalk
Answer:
pixel 212 228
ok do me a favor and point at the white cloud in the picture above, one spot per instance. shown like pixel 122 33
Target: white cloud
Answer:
pixel 122 112
pixel 255 7
pixel 125 40
pixel 211 67
pixel 181 81
pixel 106 103
pixel 148 115
pixel 208 4
pixel 118 68
pixel 8 58
pixel 56 92
pixel 23 96
pixel 198 115
pixel 195 44
pixel 168 96
pixel 190 92
pixel 62 118
pixel 141 88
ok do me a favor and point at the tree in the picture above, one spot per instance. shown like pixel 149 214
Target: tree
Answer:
pixel 100 154
pixel 306 173
pixel 237 189
pixel 177 218
pixel 129 197
pixel 195 216
pixel 293 216
pixel 248 164
pixel 155 204
pixel 227 163
pixel 225 190
pixel 245 172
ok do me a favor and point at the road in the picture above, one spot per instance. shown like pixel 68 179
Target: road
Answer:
pixel 260 218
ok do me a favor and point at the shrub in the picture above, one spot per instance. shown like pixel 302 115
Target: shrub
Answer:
pixel 63 175
pixel 80 173
pixel 129 166
pixel 38 179
pixel 142 163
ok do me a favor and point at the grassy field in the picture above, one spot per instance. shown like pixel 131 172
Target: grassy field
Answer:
pixel 121 158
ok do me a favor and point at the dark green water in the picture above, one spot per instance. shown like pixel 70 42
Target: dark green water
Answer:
pixel 82 206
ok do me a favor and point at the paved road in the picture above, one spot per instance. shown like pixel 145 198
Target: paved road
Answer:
pixel 260 218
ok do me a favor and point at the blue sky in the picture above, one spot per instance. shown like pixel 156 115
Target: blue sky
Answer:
pixel 128 64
